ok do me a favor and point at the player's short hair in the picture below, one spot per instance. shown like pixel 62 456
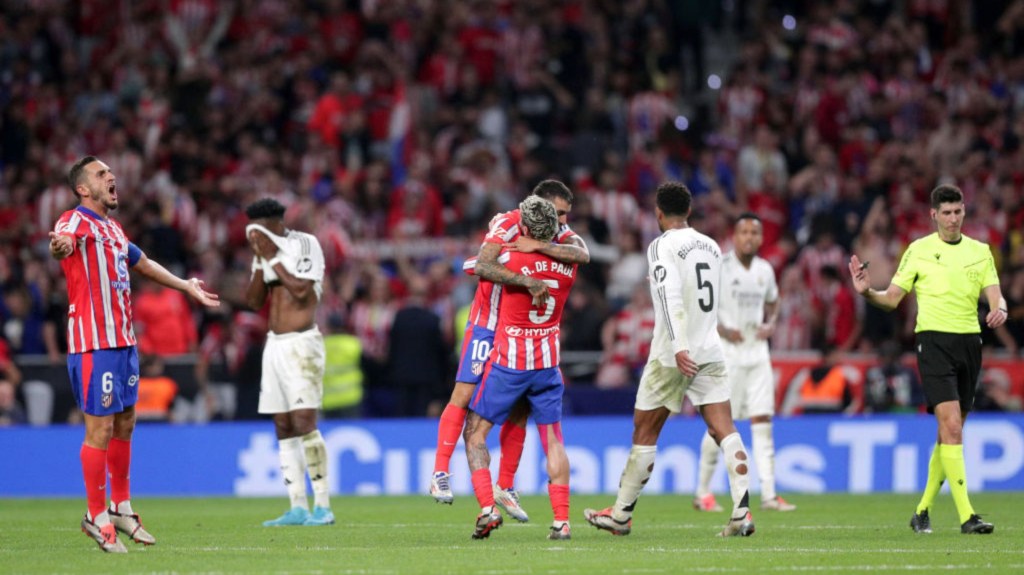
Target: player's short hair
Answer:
pixel 673 199
pixel 946 194
pixel 267 208
pixel 539 216
pixel 551 189
pixel 747 216
pixel 77 171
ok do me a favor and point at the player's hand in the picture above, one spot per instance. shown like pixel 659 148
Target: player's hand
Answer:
pixel 685 364
pixel 524 244
pixel 261 245
pixel 995 318
pixel 859 274
pixel 196 289
pixel 732 335
pixel 539 291
pixel 61 246
pixel 765 330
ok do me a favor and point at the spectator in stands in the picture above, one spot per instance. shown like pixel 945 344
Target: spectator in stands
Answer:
pixel 892 386
pixel 343 377
pixel 163 321
pixel 11 411
pixel 626 339
pixel 23 317
pixel 837 308
pixel 417 362
pixel 826 388
pixel 156 391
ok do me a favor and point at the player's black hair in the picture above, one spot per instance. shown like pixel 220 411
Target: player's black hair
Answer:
pixel 674 199
pixel 77 171
pixel 747 216
pixel 267 208
pixel 539 217
pixel 946 194
pixel 551 189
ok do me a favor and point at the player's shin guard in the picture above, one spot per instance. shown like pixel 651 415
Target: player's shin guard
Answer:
pixel 483 489
pixel 119 458
pixel 559 495
pixel 763 445
pixel 316 465
pixel 936 475
pixel 512 438
pixel 449 428
pixel 634 477
pixel 708 461
pixel 953 464
pixel 94 471
pixel 736 464
pixel 293 470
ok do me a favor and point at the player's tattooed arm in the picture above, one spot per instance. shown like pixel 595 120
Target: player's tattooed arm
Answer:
pixel 574 251
pixel 488 268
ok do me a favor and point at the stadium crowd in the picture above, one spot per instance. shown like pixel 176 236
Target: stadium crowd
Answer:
pixel 395 130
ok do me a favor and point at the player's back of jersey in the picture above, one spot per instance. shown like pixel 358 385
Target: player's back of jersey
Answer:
pixel 527 337
pixel 685 268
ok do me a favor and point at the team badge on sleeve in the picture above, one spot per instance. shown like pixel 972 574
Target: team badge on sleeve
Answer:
pixel 478 367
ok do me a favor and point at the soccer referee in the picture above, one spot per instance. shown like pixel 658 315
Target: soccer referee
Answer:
pixel 949 271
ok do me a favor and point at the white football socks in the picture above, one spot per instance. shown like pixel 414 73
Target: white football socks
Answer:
pixel 316 465
pixel 708 461
pixel 634 477
pixel 738 466
pixel 293 470
pixel 764 456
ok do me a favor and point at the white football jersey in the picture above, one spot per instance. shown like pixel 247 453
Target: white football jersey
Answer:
pixel 303 257
pixel 744 294
pixel 684 269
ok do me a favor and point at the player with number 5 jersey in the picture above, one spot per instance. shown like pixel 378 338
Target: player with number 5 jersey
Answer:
pixel 504 233
pixel 684 271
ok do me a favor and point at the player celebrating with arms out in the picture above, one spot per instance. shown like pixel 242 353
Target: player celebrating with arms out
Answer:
pixel 103 361
pixel 746 319
pixel 524 364
pixel 504 231
pixel 288 266
pixel 684 268
pixel 949 271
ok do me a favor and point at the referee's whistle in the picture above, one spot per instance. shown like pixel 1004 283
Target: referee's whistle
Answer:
pixel 864 265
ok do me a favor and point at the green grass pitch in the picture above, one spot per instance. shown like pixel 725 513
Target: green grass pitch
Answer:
pixel 383 535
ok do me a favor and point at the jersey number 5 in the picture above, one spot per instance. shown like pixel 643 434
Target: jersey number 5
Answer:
pixel 708 305
pixel 549 305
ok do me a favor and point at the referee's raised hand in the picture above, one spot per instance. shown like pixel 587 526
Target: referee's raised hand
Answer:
pixel 859 274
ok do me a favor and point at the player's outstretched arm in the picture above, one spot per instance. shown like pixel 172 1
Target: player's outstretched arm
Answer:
pixel 488 268
pixel 193 286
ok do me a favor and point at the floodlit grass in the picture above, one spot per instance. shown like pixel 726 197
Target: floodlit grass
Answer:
pixel 827 534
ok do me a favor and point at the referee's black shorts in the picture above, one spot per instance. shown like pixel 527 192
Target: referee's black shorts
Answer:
pixel 949 364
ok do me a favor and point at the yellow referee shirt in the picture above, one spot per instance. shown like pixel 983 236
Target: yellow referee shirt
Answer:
pixel 948 279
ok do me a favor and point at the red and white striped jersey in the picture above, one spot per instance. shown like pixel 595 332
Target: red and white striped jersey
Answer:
pixel 99 289
pixel 527 336
pixel 503 228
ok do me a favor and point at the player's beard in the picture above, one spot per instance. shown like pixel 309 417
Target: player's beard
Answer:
pixel 104 197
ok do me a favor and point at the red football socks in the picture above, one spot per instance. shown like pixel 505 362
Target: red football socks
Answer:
pixel 119 457
pixel 448 431
pixel 482 487
pixel 559 495
pixel 94 470
pixel 512 438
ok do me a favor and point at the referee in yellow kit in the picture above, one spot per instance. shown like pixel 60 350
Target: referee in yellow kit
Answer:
pixel 949 271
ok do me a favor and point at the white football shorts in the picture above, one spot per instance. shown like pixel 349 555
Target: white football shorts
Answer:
pixel 293 372
pixel 753 390
pixel 662 386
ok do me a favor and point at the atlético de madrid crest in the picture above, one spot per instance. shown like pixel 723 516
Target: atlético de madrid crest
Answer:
pixel 477 367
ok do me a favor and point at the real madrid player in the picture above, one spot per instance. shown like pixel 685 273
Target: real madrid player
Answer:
pixel 684 270
pixel 288 267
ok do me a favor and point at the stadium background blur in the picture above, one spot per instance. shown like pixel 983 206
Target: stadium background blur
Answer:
pixel 395 129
